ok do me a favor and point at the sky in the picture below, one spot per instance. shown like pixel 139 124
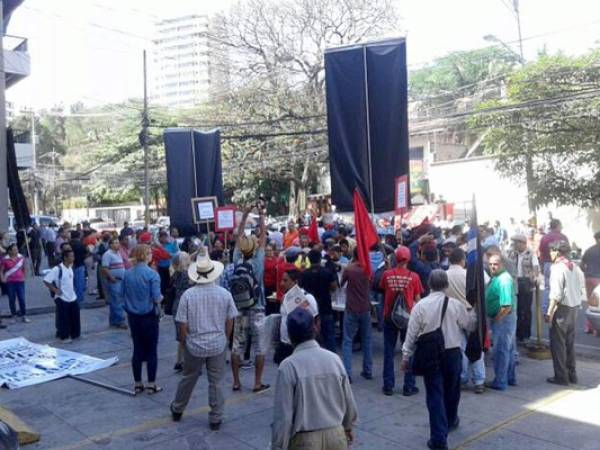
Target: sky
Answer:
pixel 91 50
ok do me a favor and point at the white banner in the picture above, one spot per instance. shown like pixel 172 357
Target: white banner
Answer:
pixel 24 363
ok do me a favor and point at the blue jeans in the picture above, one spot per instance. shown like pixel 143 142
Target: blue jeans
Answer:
pixel 328 332
pixel 79 283
pixel 357 323
pixel 503 341
pixel 443 396
pixel 472 370
pixel 546 291
pixel 16 290
pixel 390 337
pixel 116 314
pixel 378 298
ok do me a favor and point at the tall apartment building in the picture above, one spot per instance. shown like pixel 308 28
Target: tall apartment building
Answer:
pixel 184 62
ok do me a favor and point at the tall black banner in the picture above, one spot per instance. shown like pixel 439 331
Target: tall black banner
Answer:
pixel 18 203
pixel 193 170
pixel 367 98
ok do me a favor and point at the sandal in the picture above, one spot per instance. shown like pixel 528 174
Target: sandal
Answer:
pixel 236 387
pixel 138 389
pixel 263 387
pixel 153 389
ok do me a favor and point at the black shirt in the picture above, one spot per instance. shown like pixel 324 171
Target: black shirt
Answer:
pixel 591 259
pixel 80 251
pixel 318 282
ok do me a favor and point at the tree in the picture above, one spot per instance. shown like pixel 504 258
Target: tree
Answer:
pixel 549 122
pixel 275 69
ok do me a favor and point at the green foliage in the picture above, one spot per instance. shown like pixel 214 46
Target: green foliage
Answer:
pixel 462 71
pixel 549 122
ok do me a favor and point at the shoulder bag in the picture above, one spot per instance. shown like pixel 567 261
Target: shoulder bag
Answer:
pixel 430 348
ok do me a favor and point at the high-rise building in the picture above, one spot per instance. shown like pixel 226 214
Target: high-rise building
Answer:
pixel 181 61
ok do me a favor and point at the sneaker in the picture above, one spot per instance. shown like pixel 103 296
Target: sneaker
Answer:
pixel 554 380
pixel 454 426
pixel 573 379
pixel 388 391
pixel 215 426
pixel 479 389
pixel 410 392
pixel 25 320
pixel 433 446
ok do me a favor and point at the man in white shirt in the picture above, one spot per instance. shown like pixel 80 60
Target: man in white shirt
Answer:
pixel 294 298
pixel 60 282
pixel 567 291
pixel 457 288
pixel 442 385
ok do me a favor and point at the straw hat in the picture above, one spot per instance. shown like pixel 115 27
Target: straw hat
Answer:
pixel 204 270
pixel 247 245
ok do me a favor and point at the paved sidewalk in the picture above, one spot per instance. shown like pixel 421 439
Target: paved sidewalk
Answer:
pixel 72 415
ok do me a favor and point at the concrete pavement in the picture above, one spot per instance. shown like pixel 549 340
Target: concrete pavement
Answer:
pixel 73 415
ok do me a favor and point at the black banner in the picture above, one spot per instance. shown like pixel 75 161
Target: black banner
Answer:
pixel 193 170
pixel 355 113
pixel 18 203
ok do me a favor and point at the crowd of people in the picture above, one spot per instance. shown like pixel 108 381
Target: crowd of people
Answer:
pixel 303 290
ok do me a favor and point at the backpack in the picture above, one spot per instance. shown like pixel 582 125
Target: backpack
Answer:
pixel 60 274
pixel 400 314
pixel 244 287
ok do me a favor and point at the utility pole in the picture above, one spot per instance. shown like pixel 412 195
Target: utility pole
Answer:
pixel 144 136
pixel 54 181
pixel 34 164
pixel 3 152
pixel 518 17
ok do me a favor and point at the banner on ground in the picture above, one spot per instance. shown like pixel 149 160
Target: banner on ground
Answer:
pixel 367 103
pixel 24 363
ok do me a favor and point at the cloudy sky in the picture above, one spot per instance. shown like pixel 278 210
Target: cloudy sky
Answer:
pixel 91 50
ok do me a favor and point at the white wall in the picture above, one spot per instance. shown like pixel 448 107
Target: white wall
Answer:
pixel 499 198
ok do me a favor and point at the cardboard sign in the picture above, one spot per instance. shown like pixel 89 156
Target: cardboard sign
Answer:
pixel 295 297
pixel 225 218
pixel 401 198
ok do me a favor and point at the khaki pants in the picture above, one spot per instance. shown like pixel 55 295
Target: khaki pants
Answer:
pixel 327 439
pixel 192 368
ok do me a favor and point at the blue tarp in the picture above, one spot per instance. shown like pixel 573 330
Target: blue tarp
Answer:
pixel 193 170
pixel 347 121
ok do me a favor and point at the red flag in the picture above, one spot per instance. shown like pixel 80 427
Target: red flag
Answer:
pixel 366 235
pixel 313 231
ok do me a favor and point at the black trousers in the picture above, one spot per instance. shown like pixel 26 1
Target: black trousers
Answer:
pixel 144 333
pixel 49 250
pixel 524 301
pixel 36 258
pixel 165 281
pixel 443 395
pixel 68 324
pixel 562 343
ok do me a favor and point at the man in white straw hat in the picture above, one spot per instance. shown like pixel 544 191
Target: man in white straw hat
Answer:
pixel 205 317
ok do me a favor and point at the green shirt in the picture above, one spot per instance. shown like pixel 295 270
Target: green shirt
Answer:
pixel 499 293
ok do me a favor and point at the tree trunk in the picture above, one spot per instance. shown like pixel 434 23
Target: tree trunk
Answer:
pixel 302 189
pixel 292 206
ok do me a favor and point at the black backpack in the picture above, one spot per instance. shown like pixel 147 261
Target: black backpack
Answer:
pixel 400 315
pixel 60 275
pixel 244 286
pixel 430 348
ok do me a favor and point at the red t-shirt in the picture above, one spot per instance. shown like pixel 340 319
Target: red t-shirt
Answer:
pixel 270 277
pixel 159 254
pixel 393 281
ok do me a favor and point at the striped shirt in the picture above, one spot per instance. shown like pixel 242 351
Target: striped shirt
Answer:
pixel 205 308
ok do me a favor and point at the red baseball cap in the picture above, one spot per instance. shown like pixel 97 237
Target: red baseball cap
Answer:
pixel 402 253
pixel 145 237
